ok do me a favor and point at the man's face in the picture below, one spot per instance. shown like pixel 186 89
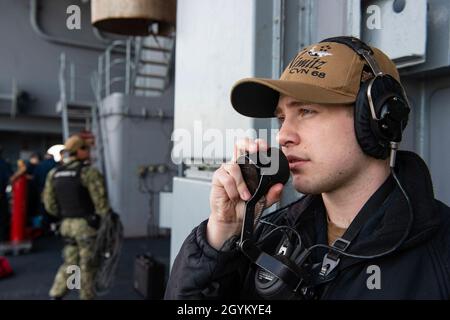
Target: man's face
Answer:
pixel 83 153
pixel 34 160
pixel 320 143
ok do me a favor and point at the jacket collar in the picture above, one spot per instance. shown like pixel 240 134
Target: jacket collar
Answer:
pixel 388 224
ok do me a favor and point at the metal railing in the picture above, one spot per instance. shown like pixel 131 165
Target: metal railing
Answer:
pixel 123 72
pixel 75 101
pixel 107 63
pixel 118 70
pixel 63 96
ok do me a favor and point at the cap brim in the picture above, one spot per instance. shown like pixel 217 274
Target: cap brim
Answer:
pixel 258 98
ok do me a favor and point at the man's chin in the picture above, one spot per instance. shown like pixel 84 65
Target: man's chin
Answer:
pixel 303 185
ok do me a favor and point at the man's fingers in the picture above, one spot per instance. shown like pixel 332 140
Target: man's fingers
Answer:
pixel 228 183
pixel 248 145
pixel 234 171
pixel 230 178
pixel 274 194
pixel 262 144
pixel 240 148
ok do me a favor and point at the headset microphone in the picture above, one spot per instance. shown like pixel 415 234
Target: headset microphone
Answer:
pixel 260 171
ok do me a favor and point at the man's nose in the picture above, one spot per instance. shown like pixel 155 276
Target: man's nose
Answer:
pixel 288 134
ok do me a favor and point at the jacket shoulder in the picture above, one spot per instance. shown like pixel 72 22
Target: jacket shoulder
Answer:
pixel 202 272
pixel 444 212
pixel 90 173
pixel 51 173
pixel 442 239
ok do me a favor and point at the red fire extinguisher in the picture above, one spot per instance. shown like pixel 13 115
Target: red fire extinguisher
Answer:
pixel 5 268
pixel 19 209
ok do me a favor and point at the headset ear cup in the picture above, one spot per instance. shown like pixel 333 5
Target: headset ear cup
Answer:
pixel 365 135
pixel 275 289
pixel 392 107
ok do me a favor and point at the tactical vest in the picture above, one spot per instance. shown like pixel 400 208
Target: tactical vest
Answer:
pixel 72 197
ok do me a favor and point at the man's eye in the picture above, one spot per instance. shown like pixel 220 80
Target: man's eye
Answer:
pixel 280 120
pixel 305 112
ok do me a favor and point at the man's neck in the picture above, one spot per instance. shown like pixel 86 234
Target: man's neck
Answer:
pixel 70 159
pixel 343 204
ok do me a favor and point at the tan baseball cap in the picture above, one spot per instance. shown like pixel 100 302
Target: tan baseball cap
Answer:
pixel 323 73
pixel 73 143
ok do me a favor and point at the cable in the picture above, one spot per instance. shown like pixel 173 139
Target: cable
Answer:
pixel 152 227
pixel 107 250
pixel 280 210
pixel 280 228
pixel 349 255
pixel 395 247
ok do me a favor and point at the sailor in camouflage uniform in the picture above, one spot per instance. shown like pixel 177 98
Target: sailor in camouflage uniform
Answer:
pixel 76 193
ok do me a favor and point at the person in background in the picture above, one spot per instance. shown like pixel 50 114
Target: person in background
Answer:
pixel 43 219
pixel 5 174
pixel 19 203
pixel 76 193
pixel 33 197
pixel 20 171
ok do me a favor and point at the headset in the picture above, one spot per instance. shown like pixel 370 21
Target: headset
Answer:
pixel 380 115
pixel 381 107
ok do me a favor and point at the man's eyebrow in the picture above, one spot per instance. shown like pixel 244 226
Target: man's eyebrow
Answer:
pixel 296 103
pixel 290 104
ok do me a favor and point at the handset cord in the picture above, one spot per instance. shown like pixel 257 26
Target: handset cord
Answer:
pixel 395 247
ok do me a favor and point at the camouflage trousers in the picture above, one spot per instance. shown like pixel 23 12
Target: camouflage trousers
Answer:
pixel 78 252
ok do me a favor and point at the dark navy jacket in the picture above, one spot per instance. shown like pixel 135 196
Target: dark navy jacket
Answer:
pixel 418 269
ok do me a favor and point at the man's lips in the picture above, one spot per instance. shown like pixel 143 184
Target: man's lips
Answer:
pixel 296 162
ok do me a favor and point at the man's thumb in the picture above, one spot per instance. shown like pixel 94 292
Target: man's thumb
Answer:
pixel 274 194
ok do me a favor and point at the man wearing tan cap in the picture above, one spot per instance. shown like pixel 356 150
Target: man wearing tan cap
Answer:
pixel 76 193
pixel 368 226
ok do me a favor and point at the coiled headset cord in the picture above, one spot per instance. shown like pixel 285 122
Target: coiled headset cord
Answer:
pixel 395 247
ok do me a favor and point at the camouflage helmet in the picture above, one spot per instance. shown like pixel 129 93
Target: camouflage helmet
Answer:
pixel 73 143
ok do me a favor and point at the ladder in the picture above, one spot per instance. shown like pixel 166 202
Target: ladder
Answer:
pixel 138 66
pixel 154 59
pixel 76 115
pixel 142 69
